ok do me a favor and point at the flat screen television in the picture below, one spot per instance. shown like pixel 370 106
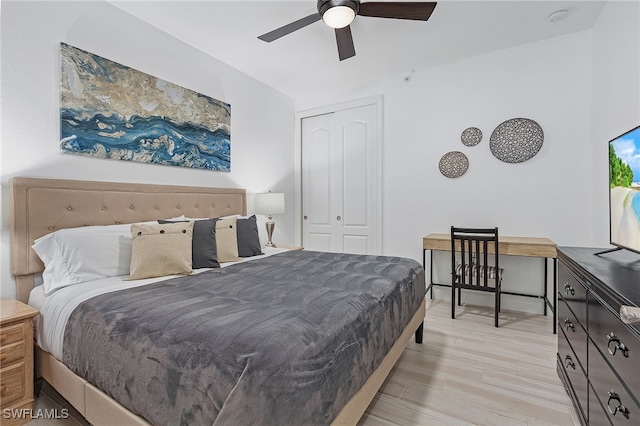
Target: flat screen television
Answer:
pixel 624 190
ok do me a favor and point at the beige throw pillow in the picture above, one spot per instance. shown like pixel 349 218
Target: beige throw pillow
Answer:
pixel 227 240
pixel 160 250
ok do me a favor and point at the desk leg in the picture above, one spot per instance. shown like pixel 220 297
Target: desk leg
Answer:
pixel 546 284
pixel 555 295
pixel 424 262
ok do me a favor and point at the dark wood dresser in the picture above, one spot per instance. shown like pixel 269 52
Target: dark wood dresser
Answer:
pixel 598 354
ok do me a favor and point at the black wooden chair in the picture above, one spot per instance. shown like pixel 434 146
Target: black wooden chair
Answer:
pixel 474 264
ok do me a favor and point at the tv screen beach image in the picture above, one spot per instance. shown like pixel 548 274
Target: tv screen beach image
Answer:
pixel 624 182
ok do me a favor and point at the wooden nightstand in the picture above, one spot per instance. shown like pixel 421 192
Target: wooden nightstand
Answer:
pixel 16 361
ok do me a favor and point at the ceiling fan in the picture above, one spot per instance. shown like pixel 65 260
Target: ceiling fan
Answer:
pixel 339 14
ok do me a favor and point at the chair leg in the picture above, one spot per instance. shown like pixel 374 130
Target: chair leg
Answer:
pixel 497 306
pixel 459 297
pixel 453 301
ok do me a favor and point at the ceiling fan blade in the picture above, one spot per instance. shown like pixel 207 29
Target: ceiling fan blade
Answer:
pixel 419 11
pixel 289 28
pixel 344 39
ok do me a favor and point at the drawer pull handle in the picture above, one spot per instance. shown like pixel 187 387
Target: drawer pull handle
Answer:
pixel 568 290
pixel 569 325
pixel 619 407
pixel 568 362
pixel 618 345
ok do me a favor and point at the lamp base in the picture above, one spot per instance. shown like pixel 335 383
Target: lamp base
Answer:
pixel 270 225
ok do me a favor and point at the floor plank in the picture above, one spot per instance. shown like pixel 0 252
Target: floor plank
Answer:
pixel 468 372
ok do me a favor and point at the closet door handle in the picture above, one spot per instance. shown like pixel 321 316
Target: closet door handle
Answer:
pixel 339 218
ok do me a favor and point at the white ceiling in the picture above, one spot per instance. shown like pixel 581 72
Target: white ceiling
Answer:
pixel 306 61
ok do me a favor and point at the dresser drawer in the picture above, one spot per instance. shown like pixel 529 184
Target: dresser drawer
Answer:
pixel 573 292
pixel 618 344
pixel 573 369
pixel 597 413
pixel 11 334
pixel 617 402
pixel 574 332
pixel 12 383
pixel 11 353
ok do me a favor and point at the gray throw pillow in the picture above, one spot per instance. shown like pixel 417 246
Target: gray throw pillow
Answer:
pixel 248 239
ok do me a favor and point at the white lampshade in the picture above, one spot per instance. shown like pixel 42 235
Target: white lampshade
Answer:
pixel 339 16
pixel 270 203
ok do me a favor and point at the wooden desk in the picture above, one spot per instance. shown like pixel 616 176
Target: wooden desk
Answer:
pixel 511 246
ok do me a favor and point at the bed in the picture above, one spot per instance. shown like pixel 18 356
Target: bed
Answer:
pixel 42 206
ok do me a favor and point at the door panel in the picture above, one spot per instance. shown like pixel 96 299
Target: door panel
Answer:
pixel 318 221
pixel 318 242
pixel 355 244
pixel 340 185
pixel 354 186
pixel 319 181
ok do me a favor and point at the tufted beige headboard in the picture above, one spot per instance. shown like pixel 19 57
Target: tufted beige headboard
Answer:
pixel 41 206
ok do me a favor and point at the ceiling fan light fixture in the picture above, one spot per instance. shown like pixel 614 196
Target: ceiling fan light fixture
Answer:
pixel 339 16
pixel 338 13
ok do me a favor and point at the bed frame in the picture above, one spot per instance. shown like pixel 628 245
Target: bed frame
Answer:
pixel 42 206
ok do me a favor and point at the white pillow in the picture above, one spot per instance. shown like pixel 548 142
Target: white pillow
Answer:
pixel 76 255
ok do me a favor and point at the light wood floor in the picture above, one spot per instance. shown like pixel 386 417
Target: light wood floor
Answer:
pixel 467 372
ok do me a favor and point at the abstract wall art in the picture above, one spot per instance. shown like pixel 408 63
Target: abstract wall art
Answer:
pixel 453 164
pixel 516 140
pixel 109 110
pixel 471 136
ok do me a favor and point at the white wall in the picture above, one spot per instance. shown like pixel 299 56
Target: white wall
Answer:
pixel 571 85
pixel 616 97
pixel 261 138
pixel 549 82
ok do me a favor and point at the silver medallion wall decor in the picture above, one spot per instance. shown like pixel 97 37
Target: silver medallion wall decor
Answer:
pixel 471 136
pixel 516 140
pixel 453 164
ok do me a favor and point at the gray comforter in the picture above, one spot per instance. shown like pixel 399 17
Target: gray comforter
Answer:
pixel 284 340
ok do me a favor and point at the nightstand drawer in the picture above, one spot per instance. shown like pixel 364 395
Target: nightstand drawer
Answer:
pixel 11 333
pixel 11 353
pixel 12 383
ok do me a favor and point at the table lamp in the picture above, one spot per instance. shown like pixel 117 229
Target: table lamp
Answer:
pixel 270 203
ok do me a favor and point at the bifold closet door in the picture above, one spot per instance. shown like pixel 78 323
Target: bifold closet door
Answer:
pixel 340 189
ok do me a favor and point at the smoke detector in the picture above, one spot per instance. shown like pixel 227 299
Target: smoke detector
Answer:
pixel 558 15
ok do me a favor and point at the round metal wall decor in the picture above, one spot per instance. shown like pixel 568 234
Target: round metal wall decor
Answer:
pixel 471 136
pixel 516 140
pixel 453 164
